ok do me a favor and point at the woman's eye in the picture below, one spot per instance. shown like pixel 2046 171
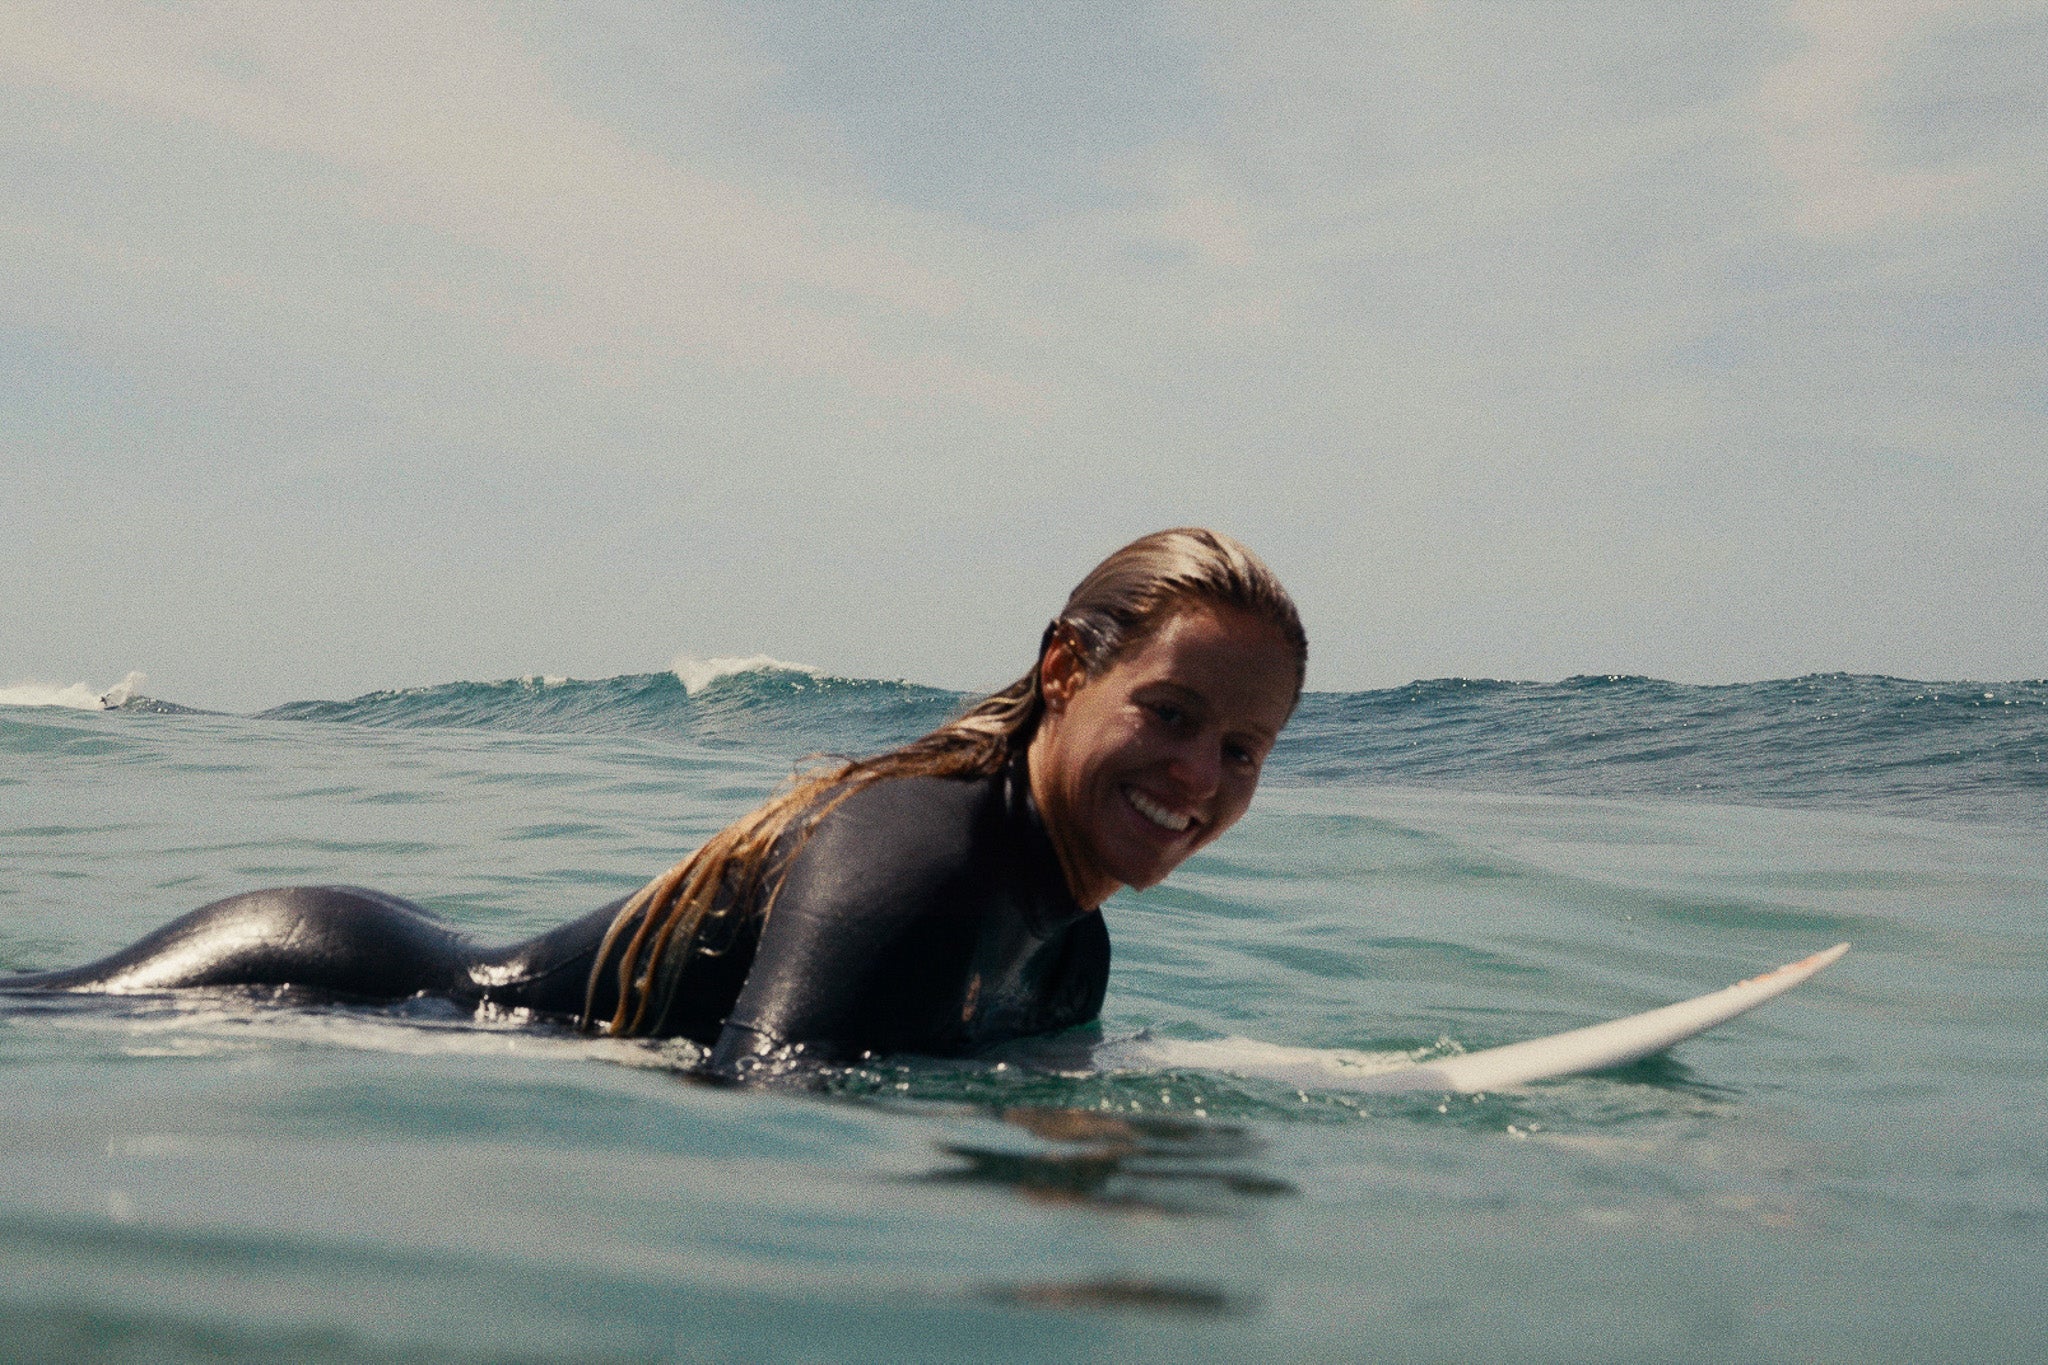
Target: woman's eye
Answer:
pixel 1168 713
pixel 1239 756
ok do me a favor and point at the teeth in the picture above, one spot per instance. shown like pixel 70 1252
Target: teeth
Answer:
pixel 1156 813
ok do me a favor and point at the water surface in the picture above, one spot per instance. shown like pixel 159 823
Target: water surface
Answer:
pixel 1856 1171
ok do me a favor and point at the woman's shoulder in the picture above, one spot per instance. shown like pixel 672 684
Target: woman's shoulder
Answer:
pixel 898 819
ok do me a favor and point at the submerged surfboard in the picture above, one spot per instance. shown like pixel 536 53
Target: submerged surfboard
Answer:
pixel 1615 1043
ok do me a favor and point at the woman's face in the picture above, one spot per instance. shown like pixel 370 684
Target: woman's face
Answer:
pixel 1138 766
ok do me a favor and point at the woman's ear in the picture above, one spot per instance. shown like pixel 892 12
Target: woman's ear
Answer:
pixel 1060 671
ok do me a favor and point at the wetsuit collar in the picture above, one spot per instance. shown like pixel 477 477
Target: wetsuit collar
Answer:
pixel 1056 907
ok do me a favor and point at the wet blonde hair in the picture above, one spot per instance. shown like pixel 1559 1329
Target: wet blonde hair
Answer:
pixel 1126 598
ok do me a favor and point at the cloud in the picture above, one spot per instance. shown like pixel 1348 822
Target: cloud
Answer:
pixel 602 257
pixel 1815 113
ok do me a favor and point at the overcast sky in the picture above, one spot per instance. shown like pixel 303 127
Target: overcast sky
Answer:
pixel 354 346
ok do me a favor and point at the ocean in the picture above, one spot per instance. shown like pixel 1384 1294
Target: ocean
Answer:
pixel 1857 1171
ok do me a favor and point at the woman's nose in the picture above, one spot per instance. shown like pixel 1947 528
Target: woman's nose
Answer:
pixel 1198 767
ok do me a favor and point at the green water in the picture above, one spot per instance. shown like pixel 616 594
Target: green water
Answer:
pixel 1858 1171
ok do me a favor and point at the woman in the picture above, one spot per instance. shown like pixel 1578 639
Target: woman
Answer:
pixel 937 898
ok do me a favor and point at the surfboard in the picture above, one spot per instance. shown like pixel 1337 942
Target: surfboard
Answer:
pixel 1595 1048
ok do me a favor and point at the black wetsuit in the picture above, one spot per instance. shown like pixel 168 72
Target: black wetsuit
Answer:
pixel 921 915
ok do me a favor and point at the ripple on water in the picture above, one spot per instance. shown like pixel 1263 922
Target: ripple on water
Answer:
pixel 418 1180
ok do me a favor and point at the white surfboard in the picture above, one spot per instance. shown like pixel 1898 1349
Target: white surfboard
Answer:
pixel 1615 1043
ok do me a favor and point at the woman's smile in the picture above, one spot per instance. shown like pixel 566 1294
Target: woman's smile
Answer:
pixel 1174 822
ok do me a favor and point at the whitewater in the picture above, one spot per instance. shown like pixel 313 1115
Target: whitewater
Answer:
pixel 1857 1170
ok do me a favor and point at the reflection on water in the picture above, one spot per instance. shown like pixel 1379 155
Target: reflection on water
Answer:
pixel 1129 1163
pixel 1119 1292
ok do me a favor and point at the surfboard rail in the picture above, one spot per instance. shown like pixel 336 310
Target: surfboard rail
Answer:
pixel 1598 1046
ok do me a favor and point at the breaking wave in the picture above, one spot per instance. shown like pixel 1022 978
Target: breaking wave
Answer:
pixel 78 696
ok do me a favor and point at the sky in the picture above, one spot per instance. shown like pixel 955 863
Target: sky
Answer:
pixel 346 347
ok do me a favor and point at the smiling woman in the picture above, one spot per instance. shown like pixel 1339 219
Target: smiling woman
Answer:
pixel 940 898
pixel 1138 765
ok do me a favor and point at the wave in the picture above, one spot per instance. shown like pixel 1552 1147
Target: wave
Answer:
pixel 1960 749
pixel 77 696
pixel 787 709
pixel 697 674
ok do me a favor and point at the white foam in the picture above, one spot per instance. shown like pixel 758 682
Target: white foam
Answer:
pixel 201 1025
pixel 78 696
pixel 698 674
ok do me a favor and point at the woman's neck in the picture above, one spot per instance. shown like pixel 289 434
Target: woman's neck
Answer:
pixel 1088 894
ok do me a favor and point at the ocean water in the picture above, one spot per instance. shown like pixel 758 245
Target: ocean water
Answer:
pixel 1857 1171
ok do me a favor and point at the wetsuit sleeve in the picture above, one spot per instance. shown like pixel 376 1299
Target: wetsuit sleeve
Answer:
pixel 858 933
